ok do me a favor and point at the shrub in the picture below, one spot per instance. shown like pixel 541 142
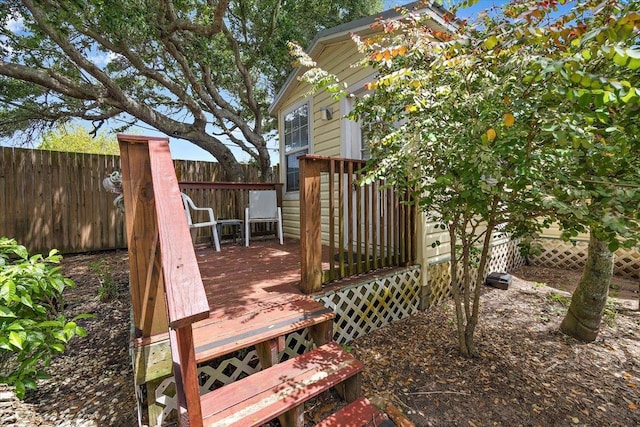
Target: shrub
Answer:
pixel 108 289
pixel 33 327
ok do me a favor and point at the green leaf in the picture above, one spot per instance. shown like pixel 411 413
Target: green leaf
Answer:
pixel 50 324
pixel 58 347
pixel 6 312
pixel 15 339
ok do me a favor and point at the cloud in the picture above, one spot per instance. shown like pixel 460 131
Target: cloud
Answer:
pixel 101 59
pixel 15 24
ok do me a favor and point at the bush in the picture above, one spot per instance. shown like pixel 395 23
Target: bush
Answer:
pixel 33 327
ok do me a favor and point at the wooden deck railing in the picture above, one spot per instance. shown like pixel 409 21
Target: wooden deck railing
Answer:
pixel 166 286
pixel 367 226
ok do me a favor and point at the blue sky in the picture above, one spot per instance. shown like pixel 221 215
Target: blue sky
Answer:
pixel 181 149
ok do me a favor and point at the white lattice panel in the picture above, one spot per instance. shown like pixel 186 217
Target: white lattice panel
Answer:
pixel 627 263
pixel 557 253
pixel 226 370
pixel 370 305
pixel 505 257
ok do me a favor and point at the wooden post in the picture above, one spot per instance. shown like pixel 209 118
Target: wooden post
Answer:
pixel 186 375
pixel 310 227
pixel 146 287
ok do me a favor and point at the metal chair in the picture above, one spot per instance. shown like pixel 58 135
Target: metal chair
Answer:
pixel 263 207
pixel 189 206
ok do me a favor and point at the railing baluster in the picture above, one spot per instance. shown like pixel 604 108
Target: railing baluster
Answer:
pixel 341 219
pixel 350 218
pixel 358 221
pixel 332 220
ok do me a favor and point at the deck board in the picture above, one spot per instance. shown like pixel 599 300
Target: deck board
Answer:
pixel 240 279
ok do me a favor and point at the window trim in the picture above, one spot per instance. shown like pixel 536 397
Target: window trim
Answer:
pixel 350 131
pixel 294 194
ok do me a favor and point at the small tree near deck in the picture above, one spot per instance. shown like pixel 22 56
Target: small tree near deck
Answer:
pixel 467 119
pixel 448 117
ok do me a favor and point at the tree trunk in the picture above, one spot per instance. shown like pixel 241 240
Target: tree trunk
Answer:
pixel 588 301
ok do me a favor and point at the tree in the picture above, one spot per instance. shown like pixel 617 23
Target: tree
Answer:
pixel 598 70
pixel 202 71
pixel 77 139
pixel 482 123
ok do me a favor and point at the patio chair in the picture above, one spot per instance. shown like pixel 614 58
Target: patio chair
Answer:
pixel 263 208
pixel 189 206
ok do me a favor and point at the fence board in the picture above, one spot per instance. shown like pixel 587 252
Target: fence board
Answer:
pixel 54 199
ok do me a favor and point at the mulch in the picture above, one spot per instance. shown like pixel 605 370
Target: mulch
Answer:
pixel 529 373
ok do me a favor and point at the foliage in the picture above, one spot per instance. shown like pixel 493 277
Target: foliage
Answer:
pixel 107 290
pixel 75 138
pixel 33 327
pixel 201 71
pixel 495 123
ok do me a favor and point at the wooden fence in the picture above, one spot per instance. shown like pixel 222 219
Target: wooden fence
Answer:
pixel 51 199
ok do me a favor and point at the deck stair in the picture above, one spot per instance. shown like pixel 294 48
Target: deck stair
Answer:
pixel 279 390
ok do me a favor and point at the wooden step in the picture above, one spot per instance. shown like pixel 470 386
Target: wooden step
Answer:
pixel 214 338
pixel 218 336
pixel 359 413
pixel 282 389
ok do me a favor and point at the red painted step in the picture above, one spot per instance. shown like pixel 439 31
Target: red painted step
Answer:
pixel 267 394
pixel 360 413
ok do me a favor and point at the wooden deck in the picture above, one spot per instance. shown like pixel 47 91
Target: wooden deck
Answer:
pixel 240 279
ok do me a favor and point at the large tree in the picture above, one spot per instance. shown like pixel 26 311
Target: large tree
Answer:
pixel 202 71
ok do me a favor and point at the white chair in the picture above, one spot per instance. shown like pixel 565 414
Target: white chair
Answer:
pixel 190 206
pixel 263 207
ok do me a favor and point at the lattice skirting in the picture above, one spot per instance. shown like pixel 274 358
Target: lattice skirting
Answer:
pixel 504 257
pixel 370 305
pixel 359 309
pixel 557 253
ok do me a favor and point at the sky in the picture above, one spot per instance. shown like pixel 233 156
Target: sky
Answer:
pixel 181 149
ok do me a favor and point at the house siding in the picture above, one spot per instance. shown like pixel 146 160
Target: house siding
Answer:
pixel 325 134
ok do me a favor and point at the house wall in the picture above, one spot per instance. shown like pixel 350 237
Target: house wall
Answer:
pixel 325 134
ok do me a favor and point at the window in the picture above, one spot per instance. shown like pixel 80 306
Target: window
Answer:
pixel 296 143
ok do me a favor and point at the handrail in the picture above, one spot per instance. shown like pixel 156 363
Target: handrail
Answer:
pixel 164 269
pixel 367 226
pixel 186 297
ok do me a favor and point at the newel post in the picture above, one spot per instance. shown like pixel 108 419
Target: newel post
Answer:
pixel 310 226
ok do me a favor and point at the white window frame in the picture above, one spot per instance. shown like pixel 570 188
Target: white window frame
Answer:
pixel 297 151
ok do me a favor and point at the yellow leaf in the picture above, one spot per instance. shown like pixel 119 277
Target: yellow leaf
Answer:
pixel 509 120
pixel 491 134
pixel 491 42
pixel 379 56
pixel 633 406
pixel 402 50
pixel 507 100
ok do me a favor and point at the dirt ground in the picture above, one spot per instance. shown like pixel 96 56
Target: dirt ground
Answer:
pixel 529 374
